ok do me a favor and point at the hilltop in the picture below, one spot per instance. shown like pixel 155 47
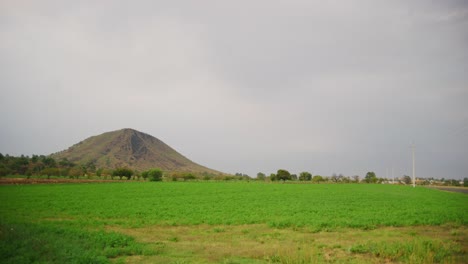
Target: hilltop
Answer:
pixel 129 148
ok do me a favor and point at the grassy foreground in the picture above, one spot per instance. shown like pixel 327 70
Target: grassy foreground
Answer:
pixel 231 223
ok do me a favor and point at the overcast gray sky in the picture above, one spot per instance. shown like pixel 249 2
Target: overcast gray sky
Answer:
pixel 244 86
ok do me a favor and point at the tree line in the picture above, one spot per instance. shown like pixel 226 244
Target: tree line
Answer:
pixel 40 166
pixel 370 177
pixel 46 166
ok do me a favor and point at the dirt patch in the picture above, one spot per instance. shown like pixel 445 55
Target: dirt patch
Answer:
pixel 263 244
pixel 452 189
pixel 8 181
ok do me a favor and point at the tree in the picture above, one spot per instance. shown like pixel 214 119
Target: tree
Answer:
pixel 155 174
pixel 452 182
pixel 317 179
pixel 123 172
pixel 66 163
pixel 48 161
pixel 283 175
pixel 75 172
pixel 273 177
pixel 50 172
pixel 356 178
pixel 334 177
pixel 245 177
pixel 305 176
pixel 261 176
pixel 99 172
pixel 186 176
pixel 4 171
pixel 106 172
pixel 465 182
pixel 407 179
pixel 370 177
pixel 144 174
pixel 90 166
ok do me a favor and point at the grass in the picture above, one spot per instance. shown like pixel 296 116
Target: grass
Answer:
pixel 51 243
pixel 263 244
pixel 140 222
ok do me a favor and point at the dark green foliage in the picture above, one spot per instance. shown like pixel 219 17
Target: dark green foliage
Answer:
pixel 36 166
pixel 48 161
pixel 283 175
pixel 261 176
pixel 273 177
pixel 305 176
pixel 4 171
pixel 465 182
pixel 155 174
pixel 66 163
pixel 188 176
pixel 452 183
pixel 241 175
pixel 123 172
pixel 53 243
pixel 89 167
pixel 370 177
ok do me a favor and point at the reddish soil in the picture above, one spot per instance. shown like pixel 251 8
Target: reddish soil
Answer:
pixel 5 181
pixel 452 189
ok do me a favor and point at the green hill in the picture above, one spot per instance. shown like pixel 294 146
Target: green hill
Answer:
pixel 129 148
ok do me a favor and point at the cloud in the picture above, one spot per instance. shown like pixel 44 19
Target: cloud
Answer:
pixel 242 86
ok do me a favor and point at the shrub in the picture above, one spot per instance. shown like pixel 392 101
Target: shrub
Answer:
pixel 123 172
pixel 155 174
pixel 144 175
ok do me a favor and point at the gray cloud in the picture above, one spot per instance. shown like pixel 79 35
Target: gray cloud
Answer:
pixel 244 86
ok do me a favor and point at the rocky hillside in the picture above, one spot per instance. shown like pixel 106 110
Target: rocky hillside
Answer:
pixel 129 148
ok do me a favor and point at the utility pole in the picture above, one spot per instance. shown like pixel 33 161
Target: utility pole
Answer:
pixel 413 148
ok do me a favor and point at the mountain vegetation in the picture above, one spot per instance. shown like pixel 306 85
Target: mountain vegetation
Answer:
pixel 128 148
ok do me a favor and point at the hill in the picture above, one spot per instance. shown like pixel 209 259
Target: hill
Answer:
pixel 129 148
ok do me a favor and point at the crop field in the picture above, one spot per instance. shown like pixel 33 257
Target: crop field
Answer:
pixel 217 222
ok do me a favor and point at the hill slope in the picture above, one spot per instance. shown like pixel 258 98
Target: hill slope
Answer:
pixel 129 148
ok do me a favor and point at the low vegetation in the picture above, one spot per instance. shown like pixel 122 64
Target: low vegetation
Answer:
pixel 237 222
pixel 40 167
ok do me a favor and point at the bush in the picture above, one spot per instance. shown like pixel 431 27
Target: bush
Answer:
pixel 188 176
pixel 155 174
pixel 305 176
pixel 317 179
pixel 123 172
pixel 144 175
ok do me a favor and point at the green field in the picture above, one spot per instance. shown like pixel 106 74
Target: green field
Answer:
pixel 216 222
